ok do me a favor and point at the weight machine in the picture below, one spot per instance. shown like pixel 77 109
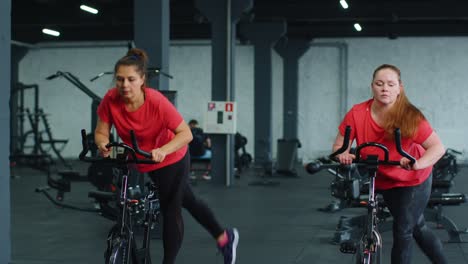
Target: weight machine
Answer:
pixel 94 103
pixel 38 157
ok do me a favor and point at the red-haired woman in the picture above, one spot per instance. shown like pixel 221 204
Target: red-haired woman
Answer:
pixel 406 189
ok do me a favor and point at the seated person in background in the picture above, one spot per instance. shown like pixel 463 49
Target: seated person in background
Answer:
pixel 200 146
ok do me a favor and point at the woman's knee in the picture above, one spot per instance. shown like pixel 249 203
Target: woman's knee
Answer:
pixel 403 231
pixel 420 226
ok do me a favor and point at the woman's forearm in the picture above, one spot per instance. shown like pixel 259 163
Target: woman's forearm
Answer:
pixel 431 156
pixel 101 138
pixel 180 140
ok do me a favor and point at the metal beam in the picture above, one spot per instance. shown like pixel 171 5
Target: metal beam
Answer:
pixel 331 10
pixel 5 207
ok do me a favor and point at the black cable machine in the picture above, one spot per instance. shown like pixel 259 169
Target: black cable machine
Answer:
pixel 37 157
pixel 21 113
pixel 94 103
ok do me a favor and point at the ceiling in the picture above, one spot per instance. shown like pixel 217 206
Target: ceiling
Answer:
pixel 305 19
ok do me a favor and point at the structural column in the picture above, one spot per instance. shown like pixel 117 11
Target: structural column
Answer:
pixel 151 33
pixel 263 36
pixel 223 15
pixel 17 53
pixel 291 51
pixel 5 84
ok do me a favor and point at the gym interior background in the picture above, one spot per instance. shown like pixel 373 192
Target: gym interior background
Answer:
pixel 430 47
pixel 432 71
pixel 428 52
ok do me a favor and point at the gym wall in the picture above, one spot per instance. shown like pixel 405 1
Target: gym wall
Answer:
pixel 69 108
pixel 432 71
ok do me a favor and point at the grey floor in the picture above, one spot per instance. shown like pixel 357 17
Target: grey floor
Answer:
pixel 277 224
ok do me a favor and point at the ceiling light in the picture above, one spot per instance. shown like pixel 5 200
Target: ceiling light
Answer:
pixel 50 32
pixel 89 9
pixel 357 27
pixel 344 4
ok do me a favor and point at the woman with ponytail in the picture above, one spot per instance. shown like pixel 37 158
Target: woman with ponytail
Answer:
pixel 406 189
pixel 161 130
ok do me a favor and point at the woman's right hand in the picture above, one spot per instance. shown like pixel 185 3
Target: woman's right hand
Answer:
pixel 346 158
pixel 103 150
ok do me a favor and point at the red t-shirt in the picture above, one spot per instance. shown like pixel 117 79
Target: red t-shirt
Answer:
pixel 154 123
pixel 364 129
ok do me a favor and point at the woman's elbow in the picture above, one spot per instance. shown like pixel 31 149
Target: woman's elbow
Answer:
pixel 188 137
pixel 442 150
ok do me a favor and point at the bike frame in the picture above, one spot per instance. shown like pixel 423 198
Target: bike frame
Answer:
pixel 370 245
pixel 371 239
pixel 126 247
pixel 151 206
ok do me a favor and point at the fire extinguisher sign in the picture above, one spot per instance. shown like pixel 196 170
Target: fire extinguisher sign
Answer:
pixel 221 117
pixel 229 107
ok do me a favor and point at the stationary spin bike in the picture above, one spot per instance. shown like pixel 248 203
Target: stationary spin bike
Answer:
pixel 368 249
pixel 121 241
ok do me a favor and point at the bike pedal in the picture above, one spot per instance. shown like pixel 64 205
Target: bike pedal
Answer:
pixel 348 247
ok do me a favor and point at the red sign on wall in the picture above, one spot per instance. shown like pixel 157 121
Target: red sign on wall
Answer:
pixel 229 107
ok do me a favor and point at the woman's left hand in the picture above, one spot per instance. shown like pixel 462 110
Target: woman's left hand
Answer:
pixel 158 155
pixel 406 164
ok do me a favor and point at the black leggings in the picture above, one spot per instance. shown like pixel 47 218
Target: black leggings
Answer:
pixel 407 206
pixel 175 193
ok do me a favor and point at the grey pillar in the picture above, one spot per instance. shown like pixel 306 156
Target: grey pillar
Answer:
pixel 263 36
pixel 223 16
pixel 151 33
pixel 5 84
pixel 291 50
pixel 17 53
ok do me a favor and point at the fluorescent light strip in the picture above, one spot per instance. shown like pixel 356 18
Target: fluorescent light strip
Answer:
pixel 357 27
pixel 50 32
pixel 344 4
pixel 89 9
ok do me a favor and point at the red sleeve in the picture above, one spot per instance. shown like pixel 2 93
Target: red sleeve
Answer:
pixel 172 117
pixel 424 131
pixel 103 110
pixel 348 120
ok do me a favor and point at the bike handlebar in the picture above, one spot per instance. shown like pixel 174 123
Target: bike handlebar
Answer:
pixel 399 149
pixel 345 145
pixel 131 150
pixel 136 148
pixel 314 167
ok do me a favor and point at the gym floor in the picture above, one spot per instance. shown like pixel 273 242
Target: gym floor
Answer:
pixel 277 224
